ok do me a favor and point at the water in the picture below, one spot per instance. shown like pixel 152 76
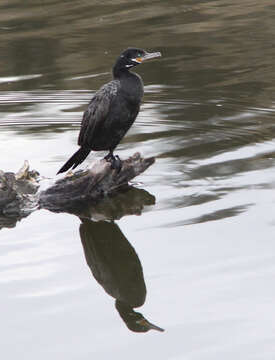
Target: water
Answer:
pixel 205 238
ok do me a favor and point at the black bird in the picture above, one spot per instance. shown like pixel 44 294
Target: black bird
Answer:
pixel 112 110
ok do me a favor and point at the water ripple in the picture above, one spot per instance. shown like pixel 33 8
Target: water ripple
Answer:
pixel 9 79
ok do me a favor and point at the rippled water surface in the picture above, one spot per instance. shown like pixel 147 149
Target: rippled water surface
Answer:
pixel 202 251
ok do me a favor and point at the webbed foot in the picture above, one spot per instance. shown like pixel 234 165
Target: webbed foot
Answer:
pixel 115 161
pixel 109 156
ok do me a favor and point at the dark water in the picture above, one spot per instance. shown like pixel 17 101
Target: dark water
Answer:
pixel 202 252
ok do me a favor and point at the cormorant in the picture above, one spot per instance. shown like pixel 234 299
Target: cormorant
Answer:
pixel 112 110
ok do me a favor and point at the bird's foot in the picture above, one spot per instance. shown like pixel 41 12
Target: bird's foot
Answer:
pixel 115 161
pixel 109 157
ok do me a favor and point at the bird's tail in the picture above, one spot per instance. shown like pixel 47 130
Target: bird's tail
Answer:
pixel 77 158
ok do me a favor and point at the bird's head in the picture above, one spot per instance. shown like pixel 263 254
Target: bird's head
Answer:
pixel 138 323
pixel 134 56
pixel 134 320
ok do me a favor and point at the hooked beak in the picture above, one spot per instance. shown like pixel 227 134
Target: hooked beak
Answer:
pixel 147 56
pixel 149 325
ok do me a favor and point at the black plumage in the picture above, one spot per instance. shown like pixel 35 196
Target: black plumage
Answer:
pixel 112 110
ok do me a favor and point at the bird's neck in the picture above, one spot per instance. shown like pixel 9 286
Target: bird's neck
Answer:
pixel 130 82
pixel 120 71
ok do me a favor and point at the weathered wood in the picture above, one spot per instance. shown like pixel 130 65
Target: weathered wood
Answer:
pixel 19 194
pixel 92 185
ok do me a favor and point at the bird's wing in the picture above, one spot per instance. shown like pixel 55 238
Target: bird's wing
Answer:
pixel 97 112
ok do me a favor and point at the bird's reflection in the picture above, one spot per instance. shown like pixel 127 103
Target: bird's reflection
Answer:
pixel 114 262
pixel 117 268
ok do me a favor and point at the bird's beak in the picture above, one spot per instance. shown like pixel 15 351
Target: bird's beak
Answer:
pixel 147 56
pixel 149 325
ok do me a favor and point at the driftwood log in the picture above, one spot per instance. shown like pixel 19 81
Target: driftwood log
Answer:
pixel 20 193
pixel 91 185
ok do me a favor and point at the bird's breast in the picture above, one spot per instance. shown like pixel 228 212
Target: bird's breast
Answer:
pixel 131 89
